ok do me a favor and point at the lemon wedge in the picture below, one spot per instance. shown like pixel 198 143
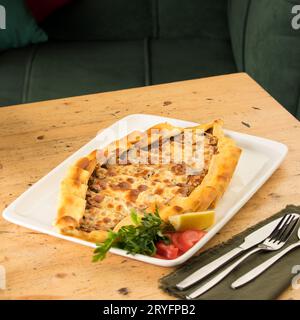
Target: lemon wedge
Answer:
pixel 193 220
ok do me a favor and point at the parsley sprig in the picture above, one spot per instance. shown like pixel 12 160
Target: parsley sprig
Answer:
pixel 137 238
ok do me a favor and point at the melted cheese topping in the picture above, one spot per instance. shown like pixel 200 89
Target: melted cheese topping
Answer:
pixel 115 189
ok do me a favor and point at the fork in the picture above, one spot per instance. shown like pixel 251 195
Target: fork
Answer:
pixel 274 242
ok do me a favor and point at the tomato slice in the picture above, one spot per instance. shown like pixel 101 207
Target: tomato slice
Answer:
pixel 175 238
pixel 181 242
pixel 188 238
pixel 168 251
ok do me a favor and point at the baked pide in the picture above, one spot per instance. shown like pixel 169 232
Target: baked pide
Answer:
pixel 175 170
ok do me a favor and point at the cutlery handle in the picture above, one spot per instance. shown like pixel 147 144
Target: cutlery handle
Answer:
pixel 207 269
pixel 252 274
pixel 220 276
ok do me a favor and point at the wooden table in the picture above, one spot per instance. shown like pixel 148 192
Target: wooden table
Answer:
pixel 36 137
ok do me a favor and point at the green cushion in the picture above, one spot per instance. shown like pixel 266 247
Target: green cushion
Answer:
pixel 192 18
pixel 21 28
pixel 237 20
pixel 136 19
pixel 13 73
pixel 182 59
pixel 56 70
pixel 101 20
pixel 267 47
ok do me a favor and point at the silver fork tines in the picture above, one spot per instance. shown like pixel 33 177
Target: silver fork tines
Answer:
pixel 281 233
pixel 285 221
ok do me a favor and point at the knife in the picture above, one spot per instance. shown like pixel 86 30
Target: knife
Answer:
pixel 250 241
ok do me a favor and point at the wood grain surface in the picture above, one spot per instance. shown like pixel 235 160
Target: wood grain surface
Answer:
pixel 35 138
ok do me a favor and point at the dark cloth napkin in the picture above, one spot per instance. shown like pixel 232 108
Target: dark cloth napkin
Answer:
pixel 267 286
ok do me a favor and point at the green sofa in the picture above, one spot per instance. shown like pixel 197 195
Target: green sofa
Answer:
pixel 104 45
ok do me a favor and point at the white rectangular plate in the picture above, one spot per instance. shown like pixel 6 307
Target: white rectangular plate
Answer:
pixel 36 208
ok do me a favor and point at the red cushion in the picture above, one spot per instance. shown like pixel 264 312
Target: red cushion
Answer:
pixel 41 9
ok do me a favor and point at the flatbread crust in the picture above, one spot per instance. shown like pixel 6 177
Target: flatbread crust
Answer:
pixel 74 186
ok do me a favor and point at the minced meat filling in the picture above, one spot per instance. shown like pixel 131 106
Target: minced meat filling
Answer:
pixel 115 189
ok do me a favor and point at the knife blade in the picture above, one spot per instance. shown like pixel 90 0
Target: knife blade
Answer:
pixel 250 241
